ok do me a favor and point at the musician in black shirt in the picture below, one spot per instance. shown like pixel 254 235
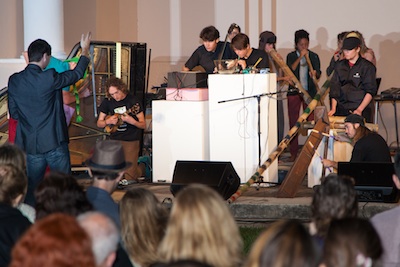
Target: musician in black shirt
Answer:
pixel 248 57
pixel 211 50
pixel 353 84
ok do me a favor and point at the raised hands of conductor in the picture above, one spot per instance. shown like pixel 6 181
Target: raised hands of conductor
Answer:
pixel 85 43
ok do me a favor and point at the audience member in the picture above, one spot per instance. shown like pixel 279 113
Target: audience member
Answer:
pixel 11 154
pixel 233 30
pixel 212 49
pixel 368 146
pixel 56 240
pixel 352 242
pixel 124 112
pixel 297 61
pixel 335 198
pixel 60 192
pixel 201 228
pixel 353 84
pixel 248 57
pixel 267 43
pixel 285 243
pixel 338 54
pixel 35 101
pixel 104 235
pixel 13 224
pixel 387 225
pixel 143 223
pixel 107 166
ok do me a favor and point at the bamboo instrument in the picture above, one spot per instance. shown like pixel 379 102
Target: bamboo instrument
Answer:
pixel 288 72
pixel 283 144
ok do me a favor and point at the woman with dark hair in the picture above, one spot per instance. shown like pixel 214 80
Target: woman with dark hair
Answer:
pixel 285 243
pixel 13 224
pixel 56 240
pixel 352 242
pixel 60 192
pixel 305 73
pixel 335 198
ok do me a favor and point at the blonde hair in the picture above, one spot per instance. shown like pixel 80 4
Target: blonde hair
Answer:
pixel 285 243
pixel 201 228
pixel 143 222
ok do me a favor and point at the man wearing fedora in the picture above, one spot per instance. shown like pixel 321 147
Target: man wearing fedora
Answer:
pixel 368 146
pixel 107 166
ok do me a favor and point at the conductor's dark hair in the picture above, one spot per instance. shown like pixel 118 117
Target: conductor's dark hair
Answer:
pixel 209 33
pixel 301 34
pixel 37 49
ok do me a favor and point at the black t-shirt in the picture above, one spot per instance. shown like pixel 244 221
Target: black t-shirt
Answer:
pixel 371 148
pixel 126 131
pixel 255 55
pixel 201 57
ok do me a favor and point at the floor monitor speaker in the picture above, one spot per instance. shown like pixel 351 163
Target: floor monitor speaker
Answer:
pixel 219 175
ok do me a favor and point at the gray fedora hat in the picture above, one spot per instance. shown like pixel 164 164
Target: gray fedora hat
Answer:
pixel 108 156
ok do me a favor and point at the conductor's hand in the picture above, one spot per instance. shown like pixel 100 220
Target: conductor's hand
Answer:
pixel 85 43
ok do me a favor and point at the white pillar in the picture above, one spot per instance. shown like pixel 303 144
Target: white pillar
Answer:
pixel 44 19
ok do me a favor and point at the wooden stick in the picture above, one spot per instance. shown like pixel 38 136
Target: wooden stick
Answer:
pixel 316 152
pixel 288 72
pixel 283 144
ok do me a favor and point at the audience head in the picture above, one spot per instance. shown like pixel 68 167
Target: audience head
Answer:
pixel 301 40
pixel 13 185
pixel 396 175
pixel 201 228
pixel 285 243
pixel 335 198
pixel 143 223
pixel 37 49
pixel 56 240
pixel 267 41
pixel 233 30
pixel 12 154
pixel 60 192
pixel 107 162
pixel 104 236
pixel 352 242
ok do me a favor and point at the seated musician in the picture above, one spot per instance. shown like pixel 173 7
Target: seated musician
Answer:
pixel 353 84
pixel 368 146
pixel 248 57
pixel 121 114
pixel 211 50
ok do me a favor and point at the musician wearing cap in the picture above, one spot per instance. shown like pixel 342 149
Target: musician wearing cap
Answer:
pixel 107 166
pixel 248 57
pixel 353 84
pixel 368 146
pixel 121 114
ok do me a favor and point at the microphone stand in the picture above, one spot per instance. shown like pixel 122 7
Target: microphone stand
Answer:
pixel 258 126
